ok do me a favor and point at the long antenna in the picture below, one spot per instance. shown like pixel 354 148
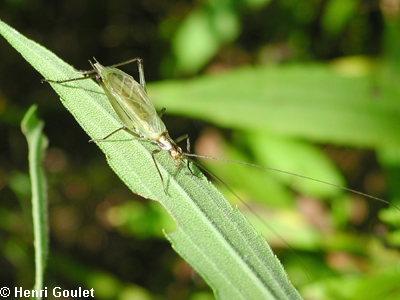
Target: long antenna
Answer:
pixel 293 174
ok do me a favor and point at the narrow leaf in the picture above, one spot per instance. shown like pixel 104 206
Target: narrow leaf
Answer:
pixel 32 127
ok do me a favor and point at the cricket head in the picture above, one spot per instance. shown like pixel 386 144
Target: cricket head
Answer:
pixel 176 155
pixel 165 142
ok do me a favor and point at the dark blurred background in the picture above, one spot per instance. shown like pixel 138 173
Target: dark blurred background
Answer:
pixel 105 237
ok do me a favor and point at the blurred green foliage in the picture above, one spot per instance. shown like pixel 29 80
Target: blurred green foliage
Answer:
pixel 349 245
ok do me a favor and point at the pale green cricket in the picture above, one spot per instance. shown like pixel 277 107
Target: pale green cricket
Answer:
pixel 134 108
pixel 140 118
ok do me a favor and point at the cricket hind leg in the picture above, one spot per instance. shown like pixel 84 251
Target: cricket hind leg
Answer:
pixel 115 131
pixel 139 61
pixel 89 74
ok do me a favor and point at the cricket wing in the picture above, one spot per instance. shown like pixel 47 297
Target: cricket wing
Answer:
pixel 131 103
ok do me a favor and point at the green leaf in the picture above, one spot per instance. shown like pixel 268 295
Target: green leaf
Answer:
pixel 32 127
pixel 337 14
pixel 214 238
pixel 201 35
pixel 312 101
pixel 299 157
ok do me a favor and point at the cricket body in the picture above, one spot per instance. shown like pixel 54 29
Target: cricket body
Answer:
pixel 132 105
pixel 134 108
